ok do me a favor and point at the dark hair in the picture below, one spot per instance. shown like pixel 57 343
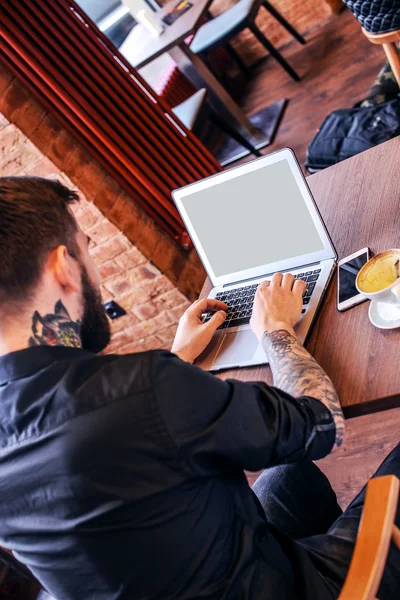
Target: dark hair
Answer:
pixel 34 220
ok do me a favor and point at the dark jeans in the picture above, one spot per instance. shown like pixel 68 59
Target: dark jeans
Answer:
pixel 299 501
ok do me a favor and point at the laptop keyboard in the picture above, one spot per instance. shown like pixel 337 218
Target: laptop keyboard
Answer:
pixel 240 301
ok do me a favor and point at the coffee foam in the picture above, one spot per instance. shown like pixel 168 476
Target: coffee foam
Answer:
pixel 379 273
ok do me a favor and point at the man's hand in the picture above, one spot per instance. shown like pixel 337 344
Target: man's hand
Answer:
pixel 193 336
pixel 277 304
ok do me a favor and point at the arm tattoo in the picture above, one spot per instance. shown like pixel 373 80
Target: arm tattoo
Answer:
pixel 297 373
pixel 55 329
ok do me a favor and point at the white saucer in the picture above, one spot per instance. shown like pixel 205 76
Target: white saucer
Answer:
pixel 383 315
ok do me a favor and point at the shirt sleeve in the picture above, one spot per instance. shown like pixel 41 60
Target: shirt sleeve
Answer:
pixel 215 424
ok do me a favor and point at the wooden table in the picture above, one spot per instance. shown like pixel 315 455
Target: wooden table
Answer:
pixel 140 49
pixel 359 200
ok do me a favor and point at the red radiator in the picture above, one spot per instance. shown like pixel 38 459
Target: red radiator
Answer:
pixel 81 78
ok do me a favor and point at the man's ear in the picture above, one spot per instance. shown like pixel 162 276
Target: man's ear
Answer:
pixel 66 269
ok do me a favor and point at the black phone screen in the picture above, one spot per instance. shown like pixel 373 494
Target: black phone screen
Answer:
pixel 347 277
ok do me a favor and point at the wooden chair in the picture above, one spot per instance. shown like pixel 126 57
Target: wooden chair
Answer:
pixel 377 529
pixel 388 41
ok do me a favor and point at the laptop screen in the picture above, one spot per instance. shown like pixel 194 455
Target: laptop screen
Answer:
pixel 256 219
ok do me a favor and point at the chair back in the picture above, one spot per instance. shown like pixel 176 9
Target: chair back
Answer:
pixel 377 529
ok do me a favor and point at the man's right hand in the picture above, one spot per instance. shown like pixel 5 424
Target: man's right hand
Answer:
pixel 277 304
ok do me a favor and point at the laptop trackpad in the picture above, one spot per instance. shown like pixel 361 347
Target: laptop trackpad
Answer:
pixel 236 348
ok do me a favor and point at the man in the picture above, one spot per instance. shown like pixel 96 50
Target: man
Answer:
pixel 122 476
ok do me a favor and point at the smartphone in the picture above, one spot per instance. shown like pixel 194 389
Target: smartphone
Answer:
pixel 348 268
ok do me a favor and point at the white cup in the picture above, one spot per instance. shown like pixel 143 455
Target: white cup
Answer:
pixel 389 294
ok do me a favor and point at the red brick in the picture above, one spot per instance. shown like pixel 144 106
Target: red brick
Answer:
pixel 131 258
pixel 110 249
pixel 169 300
pixel 163 320
pixel 44 134
pixel 78 164
pixel 102 231
pixel 167 335
pixel 105 294
pixel 88 174
pixel 88 216
pixel 126 216
pixel 3 122
pixel 191 280
pixel 42 168
pixel 62 150
pixel 157 286
pixel 126 336
pixel 78 208
pixel 147 271
pixel 19 160
pixel 133 298
pixel 144 329
pixel 149 343
pixel 122 284
pixel 178 311
pixel 146 311
pixel 119 286
pixel 109 269
pixel 148 236
pixel 21 108
pixel 175 266
pixel 139 331
pixel 65 180
pixel 11 141
pixel 131 279
pixel 106 195
pixel 123 322
pixel 163 253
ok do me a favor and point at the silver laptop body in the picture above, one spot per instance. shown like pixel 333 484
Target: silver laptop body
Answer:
pixel 247 223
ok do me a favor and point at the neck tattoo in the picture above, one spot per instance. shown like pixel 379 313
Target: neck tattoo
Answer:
pixel 55 329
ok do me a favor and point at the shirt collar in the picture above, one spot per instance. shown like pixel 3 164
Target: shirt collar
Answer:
pixel 30 360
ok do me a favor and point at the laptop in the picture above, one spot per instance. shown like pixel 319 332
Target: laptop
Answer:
pixel 247 223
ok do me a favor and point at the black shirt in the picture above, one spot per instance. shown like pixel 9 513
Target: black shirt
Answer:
pixel 122 477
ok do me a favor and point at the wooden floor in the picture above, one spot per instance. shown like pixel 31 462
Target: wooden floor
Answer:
pixel 368 440
pixel 337 66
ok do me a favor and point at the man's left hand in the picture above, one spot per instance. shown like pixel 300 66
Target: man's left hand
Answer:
pixel 193 336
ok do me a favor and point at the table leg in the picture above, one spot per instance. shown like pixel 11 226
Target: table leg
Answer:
pixel 260 134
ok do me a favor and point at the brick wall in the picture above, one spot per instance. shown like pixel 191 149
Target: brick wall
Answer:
pixel 153 303
pixel 59 149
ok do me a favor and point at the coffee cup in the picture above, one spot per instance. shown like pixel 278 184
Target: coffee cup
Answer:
pixel 379 278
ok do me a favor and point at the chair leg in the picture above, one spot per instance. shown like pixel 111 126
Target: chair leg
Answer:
pixel 233 133
pixel 210 65
pixel 275 13
pixel 393 56
pixel 237 59
pixel 273 51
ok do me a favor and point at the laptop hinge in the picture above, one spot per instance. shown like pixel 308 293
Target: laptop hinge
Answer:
pixel 269 274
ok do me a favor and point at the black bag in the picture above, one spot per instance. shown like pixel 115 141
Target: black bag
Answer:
pixel 347 132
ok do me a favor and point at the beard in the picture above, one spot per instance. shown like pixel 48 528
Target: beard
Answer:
pixel 95 327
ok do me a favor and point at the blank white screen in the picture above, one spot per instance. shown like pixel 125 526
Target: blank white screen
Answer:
pixel 252 220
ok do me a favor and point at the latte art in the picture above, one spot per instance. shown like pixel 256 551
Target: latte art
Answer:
pixel 380 272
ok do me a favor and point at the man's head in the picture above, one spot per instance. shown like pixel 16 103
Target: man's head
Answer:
pixel 44 255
